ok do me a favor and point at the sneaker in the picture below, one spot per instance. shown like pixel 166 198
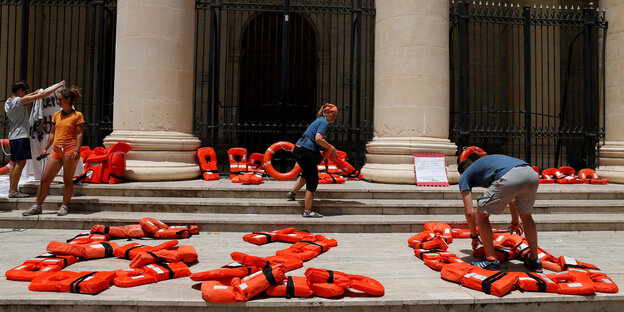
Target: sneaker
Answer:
pixel 488 265
pixel 34 210
pixel 18 194
pixel 534 265
pixel 291 196
pixel 63 211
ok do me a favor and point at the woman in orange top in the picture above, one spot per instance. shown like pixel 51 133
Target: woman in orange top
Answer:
pixel 66 135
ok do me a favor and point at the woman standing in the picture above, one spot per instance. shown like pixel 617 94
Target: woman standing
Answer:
pixel 308 154
pixel 66 135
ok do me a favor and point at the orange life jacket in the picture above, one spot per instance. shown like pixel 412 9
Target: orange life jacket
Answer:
pixel 87 238
pixel 490 282
pixel 510 240
pixel 537 282
pixel 293 237
pixel 602 283
pixel 442 259
pixel 291 286
pixel 87 251
pixel 184 253
pixel 261 238
pixel 258 282
pixel 164 271
pixel 442 229
pixel 208 163
pixel 238 161
pixel 254 165
pixel 38 265
pixel 366 285
pixel 567 263
pixel 591 176
pixel 316 275
pixel 289 263
pixel 549 261
pixel 327 290
pixel 233 269
pixel 454 272
pixel 347 170
pixel 131 278
pixel 74 282
pixel 573 282
pixel 151 225
pixel 308 248
pixel 417 240
pixel 217 292
pixel 131 250
pixel 329 178
pixel 131 230
pixel 172 233
pixel 424 254
pixel 460 233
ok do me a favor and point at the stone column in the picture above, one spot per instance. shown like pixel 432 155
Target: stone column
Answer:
pixel 612 153
pixel 412 82
pixel 153 101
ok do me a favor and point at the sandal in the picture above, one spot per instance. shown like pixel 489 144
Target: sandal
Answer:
pixel 311 214
pixel 291 195
pixel 18 194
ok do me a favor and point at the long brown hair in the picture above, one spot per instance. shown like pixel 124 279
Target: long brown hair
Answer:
pixel 320 112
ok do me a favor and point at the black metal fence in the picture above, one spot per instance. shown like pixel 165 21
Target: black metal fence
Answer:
pixel 45 41
pixel 264 67
pixel 528 81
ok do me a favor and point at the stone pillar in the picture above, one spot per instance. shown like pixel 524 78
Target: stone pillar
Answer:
pixel 412 96
pixel 612 153
pixel 153 101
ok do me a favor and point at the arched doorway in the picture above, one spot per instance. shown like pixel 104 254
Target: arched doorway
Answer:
pixel 261 80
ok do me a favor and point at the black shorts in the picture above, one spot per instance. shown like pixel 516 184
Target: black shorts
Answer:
pixel 20 149
pixel 309 171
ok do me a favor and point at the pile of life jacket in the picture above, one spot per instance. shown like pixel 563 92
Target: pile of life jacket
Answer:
pixel 335 171
pixel 243 170
pixel 149 264
pixel 567 175
pixel 248 276
pixel 104 165
pixel 570 275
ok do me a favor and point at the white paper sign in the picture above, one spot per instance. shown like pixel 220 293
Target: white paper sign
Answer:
pixel 430 169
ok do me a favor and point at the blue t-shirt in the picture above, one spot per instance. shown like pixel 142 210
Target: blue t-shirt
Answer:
pixel 307 140
pixel 486 170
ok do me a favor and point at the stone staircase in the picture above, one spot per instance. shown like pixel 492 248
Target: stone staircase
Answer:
pixel 355 206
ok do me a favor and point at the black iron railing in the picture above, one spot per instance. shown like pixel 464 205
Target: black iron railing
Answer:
pixel 528 81
pixel 263 68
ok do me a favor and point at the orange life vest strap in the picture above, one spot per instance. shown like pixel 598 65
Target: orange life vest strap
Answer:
pixel 74 287
pixel 541 284
pixel 486 285
pixel 268 274
pixel 165 266
pixel 108 249
pixel 313 243
pixel 127 254
pixel 290 288
pixel 54 257
pixel 330 279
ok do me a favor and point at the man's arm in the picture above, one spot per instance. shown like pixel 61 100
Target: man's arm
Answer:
pixel 29 98
pixel 471 217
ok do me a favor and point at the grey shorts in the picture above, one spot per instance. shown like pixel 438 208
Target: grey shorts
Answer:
pixel 519 183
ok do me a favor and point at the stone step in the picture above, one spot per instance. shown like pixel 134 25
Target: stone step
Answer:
pixel 349 190
pixel 220 222
pixel 282 206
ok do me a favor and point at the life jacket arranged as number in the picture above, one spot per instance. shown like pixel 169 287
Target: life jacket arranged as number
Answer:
pixel 293 237
pixel 309 247
pixel 208 163
pixel 258 282
pixel 502 253
pixel 151 273
pixel 573 282
pixel 454 272
pixel 185 253
pixel 33 267
pixel 442 229
pixel 490 282
pixel 238 161
pixel 151 225
pixel 74 282
pixel 221 292
pixel 261 238
pixel 86 251
pixel 427 240
pixel 232 269
pixel 289 263
pixel 126 231
pixel 130 251
pixel 537 282
pixel 438 260
pixel 291 286
pixel 549 261
pixel 87 238
pixel 362 283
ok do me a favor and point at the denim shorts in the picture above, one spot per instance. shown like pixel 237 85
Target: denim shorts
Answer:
pixel 20 149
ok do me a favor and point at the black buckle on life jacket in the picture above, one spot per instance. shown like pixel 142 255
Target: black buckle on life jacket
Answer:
pixel 428 252
pixel 74 287
pixel 290 288
pixel 486 285
pixel 268 236
pixel 541 284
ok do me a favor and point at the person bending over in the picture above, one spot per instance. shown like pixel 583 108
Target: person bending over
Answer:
pixel 19 129
pixel 308 154
pixel 508 181
pixel 66 135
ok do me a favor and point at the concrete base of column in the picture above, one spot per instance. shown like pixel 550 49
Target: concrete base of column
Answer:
pixel 391 160
pixel 158 155
pixel 612 161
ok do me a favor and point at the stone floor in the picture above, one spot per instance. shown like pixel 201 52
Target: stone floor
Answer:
pixel 409 284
